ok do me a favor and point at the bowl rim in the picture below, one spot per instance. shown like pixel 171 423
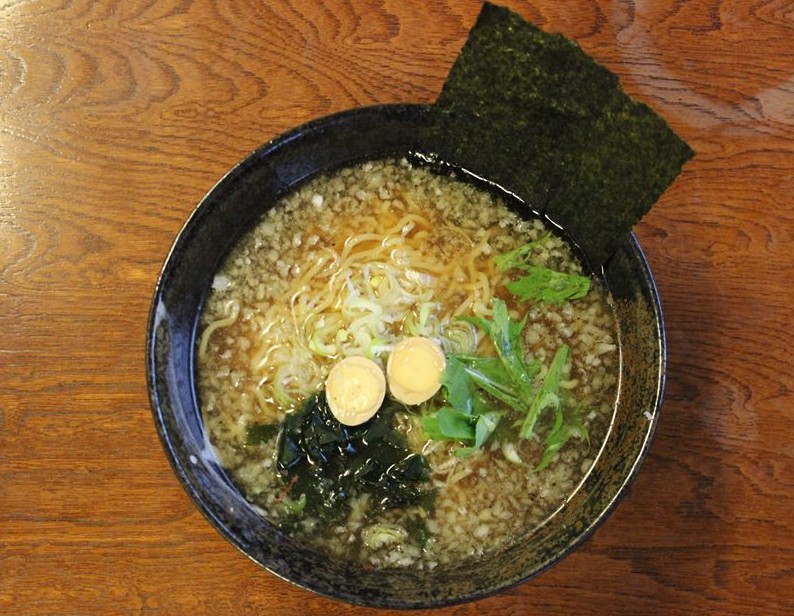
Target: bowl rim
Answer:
pixel 167 438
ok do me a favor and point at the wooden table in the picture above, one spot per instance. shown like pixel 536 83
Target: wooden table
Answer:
pixel 116 117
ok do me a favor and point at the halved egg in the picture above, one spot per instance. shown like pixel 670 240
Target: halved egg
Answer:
pixel 355 389
pixel 414 370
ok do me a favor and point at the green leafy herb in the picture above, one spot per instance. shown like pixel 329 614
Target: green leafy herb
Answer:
pixel 485 426
pixel 548 395
pixel 468 381
pixel 489 374
pixel 533 112
pixel 455 425
pixel 469 417
pixel 545 285
pixel 518 256
pixel 472 383
pixel 506 334
pixel 447 424
pixel 571 425
pixel 540 283
pixel 458 385
pixel 325 463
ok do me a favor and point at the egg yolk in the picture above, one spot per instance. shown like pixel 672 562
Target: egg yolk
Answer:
pixel 414 370
pixel 355 389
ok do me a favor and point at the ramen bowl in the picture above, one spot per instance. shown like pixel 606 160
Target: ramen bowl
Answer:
pixel 230 209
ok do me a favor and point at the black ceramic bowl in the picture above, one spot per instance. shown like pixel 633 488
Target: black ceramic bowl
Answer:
pixel 234 204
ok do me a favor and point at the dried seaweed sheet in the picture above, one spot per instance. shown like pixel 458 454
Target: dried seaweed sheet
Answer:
pixel 534 113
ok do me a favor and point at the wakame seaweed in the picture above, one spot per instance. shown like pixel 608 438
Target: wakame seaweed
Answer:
pixel 534 113
pixel 258 434
pixel 328 463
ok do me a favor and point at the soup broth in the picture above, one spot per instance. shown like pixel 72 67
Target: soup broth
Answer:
pixel 350 264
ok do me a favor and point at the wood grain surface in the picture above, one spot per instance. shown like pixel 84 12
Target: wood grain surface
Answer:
pixel 115 119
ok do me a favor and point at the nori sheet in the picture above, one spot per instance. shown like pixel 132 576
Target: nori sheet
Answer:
pixel 532 112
